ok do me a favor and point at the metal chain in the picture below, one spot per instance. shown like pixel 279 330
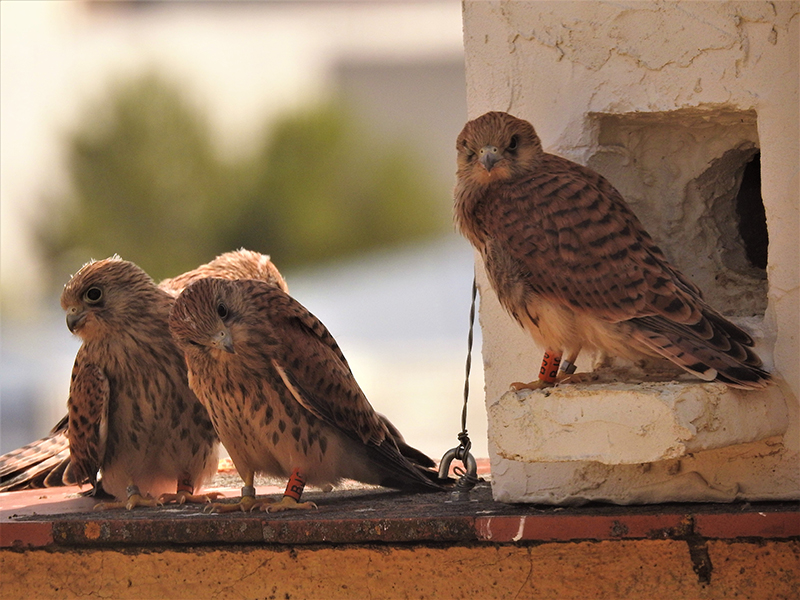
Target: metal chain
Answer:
pixel 468 477
pixel 469 359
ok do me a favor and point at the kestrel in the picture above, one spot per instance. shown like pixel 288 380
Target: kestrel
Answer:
pixel 281 394
pixel 46 462
pixel 573 265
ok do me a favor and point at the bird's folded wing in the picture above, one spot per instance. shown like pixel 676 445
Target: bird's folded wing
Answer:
pixel 88 417
pixel 582 246
pixel 314 369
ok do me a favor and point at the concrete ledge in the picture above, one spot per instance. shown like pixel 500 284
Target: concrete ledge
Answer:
pixel 618 570
pixel 373 543
pixel 368 516
pixel 631 423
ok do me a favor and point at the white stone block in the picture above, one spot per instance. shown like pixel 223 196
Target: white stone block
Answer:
pixel 630 423
pixel 641 443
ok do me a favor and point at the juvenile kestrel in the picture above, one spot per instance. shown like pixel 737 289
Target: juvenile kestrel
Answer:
pixel 45 462
pixel 132 415
pixel 573 265
pixel 281 394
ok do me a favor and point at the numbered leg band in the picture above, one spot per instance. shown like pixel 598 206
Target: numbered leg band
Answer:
pixel 549 370
pixel 296 485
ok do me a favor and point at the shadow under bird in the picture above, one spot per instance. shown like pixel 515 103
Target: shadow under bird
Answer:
pixel 570 261
pixel 282 397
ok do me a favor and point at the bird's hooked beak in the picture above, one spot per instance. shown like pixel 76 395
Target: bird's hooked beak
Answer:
pixel 489 155
pixel 75 318
pixel 224 341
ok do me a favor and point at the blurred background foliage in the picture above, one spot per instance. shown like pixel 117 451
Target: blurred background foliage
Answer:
pixel 146 181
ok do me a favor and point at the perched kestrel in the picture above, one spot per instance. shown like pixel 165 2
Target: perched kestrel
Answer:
pixel 281 394
pixel 132 415
pixel 573 265
pixel 46 462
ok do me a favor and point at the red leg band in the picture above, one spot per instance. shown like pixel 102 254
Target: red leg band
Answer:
pixel 185 485
pixel 549 369
pixel 294 489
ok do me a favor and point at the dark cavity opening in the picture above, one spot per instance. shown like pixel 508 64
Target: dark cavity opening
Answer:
pixel 752 218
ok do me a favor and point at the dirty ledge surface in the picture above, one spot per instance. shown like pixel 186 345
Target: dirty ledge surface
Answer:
pixel 60 519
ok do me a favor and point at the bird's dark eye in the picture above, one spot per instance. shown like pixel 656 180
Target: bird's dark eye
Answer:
pixel 512 145
pixel 222 310
pixel 93 295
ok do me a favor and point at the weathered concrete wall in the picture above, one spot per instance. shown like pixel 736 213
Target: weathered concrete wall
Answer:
pixel 602 570
pixel 668 100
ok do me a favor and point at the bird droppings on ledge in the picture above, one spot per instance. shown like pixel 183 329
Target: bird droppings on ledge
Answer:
pixel 361 515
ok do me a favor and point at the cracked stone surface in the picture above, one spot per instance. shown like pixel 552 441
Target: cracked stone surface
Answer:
pixel 630 423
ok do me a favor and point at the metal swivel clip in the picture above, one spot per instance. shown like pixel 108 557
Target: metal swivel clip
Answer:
pixel 468 476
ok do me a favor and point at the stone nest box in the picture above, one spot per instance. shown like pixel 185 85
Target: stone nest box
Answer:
pixel 690 109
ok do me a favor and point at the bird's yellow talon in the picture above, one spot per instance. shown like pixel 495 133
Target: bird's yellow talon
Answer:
pixel 287 503
pixel 139 500
pixel 132 502
pixel 246 504
pixel 183 497
pixel 532 385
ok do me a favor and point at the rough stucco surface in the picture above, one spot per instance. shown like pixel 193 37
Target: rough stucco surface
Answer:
pixel 680 172
pixel 661 421
pixel 567 66
pixel 602 570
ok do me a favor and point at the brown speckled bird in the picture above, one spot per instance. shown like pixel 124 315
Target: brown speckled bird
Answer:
pixel 573 265
pixel 281 394
pixel 45 462
pixel 131 413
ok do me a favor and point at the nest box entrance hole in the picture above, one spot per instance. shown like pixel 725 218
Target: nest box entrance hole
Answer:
pixel 693 179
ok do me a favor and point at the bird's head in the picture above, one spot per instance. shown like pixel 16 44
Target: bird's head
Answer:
pixel 238 264
pixel 246 264
pixel 496 147
pixel 105 296
pixel 205 315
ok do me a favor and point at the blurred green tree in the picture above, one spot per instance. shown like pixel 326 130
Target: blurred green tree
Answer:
pixel 327 187
pixel 148 183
